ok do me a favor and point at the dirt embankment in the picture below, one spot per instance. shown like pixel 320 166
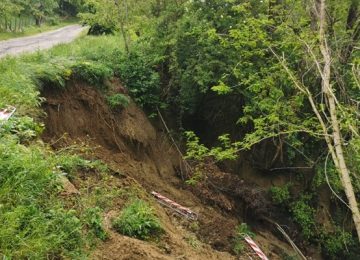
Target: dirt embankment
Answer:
pixel 127 141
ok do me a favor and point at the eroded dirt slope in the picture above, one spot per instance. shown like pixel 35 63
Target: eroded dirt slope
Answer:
pixel 127 141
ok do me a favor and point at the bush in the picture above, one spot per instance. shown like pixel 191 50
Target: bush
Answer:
pixel 303 214
pixel 138 220
pixel 335 244
pixel 98 29
pixel 93 220
pixel 118 100
pixel 241 230
pixel 24 128
pixel 280 195
pixel 142 81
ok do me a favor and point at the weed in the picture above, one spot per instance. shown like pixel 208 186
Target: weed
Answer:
pixel 280 195
pixel 196 177
pixel 303 214
pixel 93 219
pixel 23 128
pixel 336 243
pixel 71 163
pixel 194 226
pixel 192 241
pixel 118 100
pixel 33 222
pixel 92 72
pixel 239 244
pixel 138 220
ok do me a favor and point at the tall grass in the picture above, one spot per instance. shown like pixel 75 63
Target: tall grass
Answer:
pixel 21 77
pixel 34 223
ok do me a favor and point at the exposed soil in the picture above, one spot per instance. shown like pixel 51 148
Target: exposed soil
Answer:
pixel 127 141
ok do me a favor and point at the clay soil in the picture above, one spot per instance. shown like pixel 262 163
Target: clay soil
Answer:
pixel 139 153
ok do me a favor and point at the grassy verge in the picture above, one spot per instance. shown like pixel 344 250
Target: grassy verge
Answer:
pixel 32 30
pixel 35 222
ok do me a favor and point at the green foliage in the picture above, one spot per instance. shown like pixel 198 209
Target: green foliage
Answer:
pixel 24 128
pixel 118 100
pixel 93 220
pixel 70 164
pixel 100 15
pixel 33 222
pixel 92 72
pixel 138 220
pixel 221 89
pixel 140 78
pixel 327 176
pixel 336 243
pixel 197 151
pixel 196 177
pixel 304 215
pixel 280 195
pixel 239 244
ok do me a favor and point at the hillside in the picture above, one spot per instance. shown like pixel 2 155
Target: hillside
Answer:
pixel 184 130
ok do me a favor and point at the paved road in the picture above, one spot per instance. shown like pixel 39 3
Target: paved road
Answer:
pixel 40 41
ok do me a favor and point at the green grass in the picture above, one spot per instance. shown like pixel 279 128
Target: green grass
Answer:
pixel 35 222
pixel 138 220
pixel 22 77
pixel 32 30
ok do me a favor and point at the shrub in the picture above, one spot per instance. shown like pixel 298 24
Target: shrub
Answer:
pixel 24 128
pixel 197 151
pixel 93 220
pixel 303 214
pixel 138 220
pixel 335 244
pixel 241 230
pixel 118 100
pixel 97 29
pixel 142 81
pixel 280 195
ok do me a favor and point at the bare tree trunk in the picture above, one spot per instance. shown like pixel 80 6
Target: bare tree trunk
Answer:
pixel 339 159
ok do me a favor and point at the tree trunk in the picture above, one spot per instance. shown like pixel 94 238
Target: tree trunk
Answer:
pixel 339 159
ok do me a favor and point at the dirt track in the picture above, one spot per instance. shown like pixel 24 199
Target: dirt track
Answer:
pixel 40 41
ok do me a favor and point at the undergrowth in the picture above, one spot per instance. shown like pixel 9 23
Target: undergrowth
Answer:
pixel 93 59
pixel 239 242
pixel 35 222
pixel 118 100
pixel 138 220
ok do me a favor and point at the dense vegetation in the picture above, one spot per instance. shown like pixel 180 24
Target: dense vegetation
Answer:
pixel 281 76
pixel 15 15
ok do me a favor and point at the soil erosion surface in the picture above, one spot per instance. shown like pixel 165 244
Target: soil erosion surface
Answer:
pixel 129 143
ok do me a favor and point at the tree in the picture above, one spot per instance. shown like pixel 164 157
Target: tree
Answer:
pixel 40 9
pixel 228 46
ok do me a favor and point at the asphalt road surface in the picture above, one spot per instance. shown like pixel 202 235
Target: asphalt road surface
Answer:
pixel 40 41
